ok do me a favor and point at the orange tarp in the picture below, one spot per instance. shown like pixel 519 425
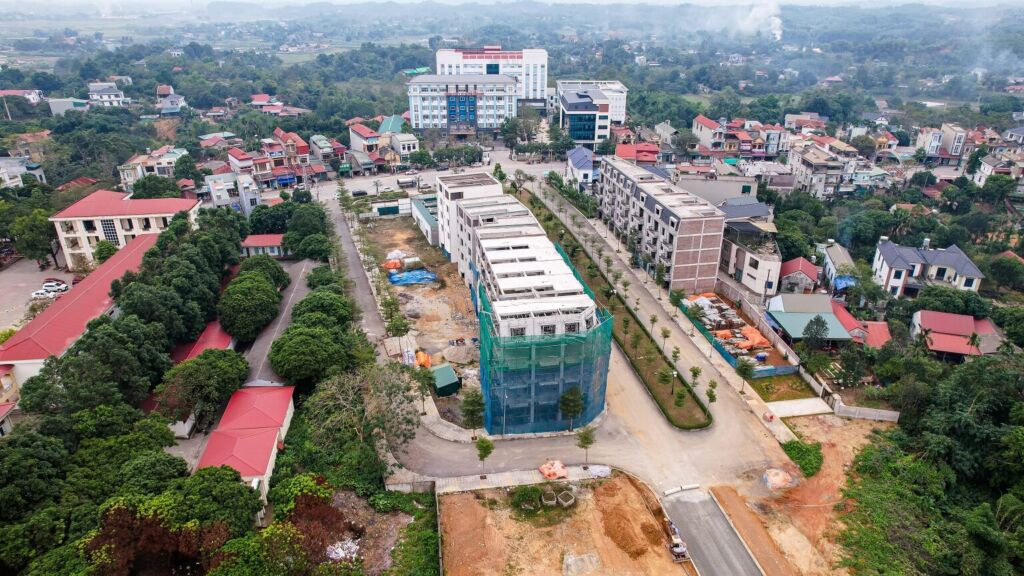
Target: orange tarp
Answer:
pixel 553 470
pixel 723 334
pixel 423 359
pixel 754 339
pixel 392 264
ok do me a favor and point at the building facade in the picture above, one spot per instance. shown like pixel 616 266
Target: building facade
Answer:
pixel 664 226
pixel 528 68
pixel 107 94
pixel 116 218
pixel 461 104
pixel 905 270
pixel 588 109
pixel 159 162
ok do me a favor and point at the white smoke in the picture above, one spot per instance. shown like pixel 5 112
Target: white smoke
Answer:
pixel 761 16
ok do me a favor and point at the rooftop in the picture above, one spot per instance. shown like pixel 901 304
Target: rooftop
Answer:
pixel 363 131
pixel 470 180
pixel 262 240
pixel 462 79
pixel 257 407
pixel 248 451
pixel 54 330
pixel 951 333
pixel 905 257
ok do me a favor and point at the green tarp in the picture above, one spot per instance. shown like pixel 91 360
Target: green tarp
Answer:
pixel 446 382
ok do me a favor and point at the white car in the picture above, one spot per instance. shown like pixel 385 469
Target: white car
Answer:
pixel 55 287
pixel 44 294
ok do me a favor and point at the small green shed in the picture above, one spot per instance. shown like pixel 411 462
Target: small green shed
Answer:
pixel 446 382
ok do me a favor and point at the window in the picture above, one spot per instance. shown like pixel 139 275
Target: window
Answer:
pixel 893 290
pixel 968 282
pixel 745 189
pixel 547 329
pixel 753 263
pixel 896 275
pixel 109 231
pixel 519 332
pixel 572 328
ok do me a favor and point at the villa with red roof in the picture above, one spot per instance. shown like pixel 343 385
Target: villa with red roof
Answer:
pixel 250 433
pixel 269 244
pixel 362 138
pixel 950 334
pixel 798 275
pixel 54 330
pixel 115 217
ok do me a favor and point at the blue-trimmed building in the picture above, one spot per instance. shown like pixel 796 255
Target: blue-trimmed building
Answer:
pixel 461 105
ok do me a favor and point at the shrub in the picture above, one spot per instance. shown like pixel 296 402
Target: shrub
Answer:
pixel 526 497
pixel 807 456
pixel 283 495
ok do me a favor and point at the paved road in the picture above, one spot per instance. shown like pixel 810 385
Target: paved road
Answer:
pixel 633 435
pixel 259 365
pixel 371 321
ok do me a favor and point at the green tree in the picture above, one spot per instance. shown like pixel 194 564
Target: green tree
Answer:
pixel 865 146
pixel 103 250
pixel 472 409
pixel 202 385
pixel 34 235
pixel 303 355
pixel 153 186
pixel 585 438
pixel 315 247
pixel 484 449
pixel 306 220
pixel 267 266
pixel 209 496
pixel 340 309
pixel 150 473
pixel 31 467
pixel 695 373
pixel 185 167
pixel 571 404
pixel 974 161
pixel 997 187
pixel 248 304
pixel 815 333
pixel 745 370
pixel 665 378
pixel 182 321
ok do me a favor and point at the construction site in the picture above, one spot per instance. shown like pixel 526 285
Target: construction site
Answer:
pixel 614 526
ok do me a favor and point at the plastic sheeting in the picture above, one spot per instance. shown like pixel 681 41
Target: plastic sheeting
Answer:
pixel 396 255
pixel 412 277
pixel 553 470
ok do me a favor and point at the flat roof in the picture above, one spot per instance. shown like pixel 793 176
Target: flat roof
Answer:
pixel 470 180
pixel 682 203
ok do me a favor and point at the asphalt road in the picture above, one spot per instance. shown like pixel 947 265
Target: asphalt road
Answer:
pixel 713 544
pixel 259 365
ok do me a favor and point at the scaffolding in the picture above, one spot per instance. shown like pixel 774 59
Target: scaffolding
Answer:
pixel 524 377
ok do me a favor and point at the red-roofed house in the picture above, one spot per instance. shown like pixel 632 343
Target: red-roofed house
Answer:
pixel 54 330
pixel 950 334
pixel 1010 254
pixel 239 160
pixel 80 182
pixel 6 409
pixel 270 244
pixel 798 275
pixel 115 217
pixel 213 337
pixel 250 433
pixel 871 334
pixel 641 153
pixel 363 139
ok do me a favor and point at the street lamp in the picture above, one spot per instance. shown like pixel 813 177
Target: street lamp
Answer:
pixel 675 374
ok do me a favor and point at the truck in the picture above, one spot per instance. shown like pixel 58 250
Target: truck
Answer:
pixel 406 182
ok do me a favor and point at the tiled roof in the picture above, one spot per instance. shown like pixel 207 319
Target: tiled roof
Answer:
pixel 363 131
pixel 109 203
pixel 259 407
pixel 54 330
pixel 799 265
pixel 950 333
pixel 706 122
pixel 877 334
pixel 263 240
pixel 213 337
pixel 248 451
pixel 581 158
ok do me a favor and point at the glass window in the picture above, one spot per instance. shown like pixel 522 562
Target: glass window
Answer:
pixel 547 329
pixel 519 331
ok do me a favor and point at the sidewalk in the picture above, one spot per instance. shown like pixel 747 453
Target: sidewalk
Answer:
pixel 801 407
pixel 515 478
pixel 696 351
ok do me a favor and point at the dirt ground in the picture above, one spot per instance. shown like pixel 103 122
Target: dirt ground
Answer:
pixel 802 520
pixel 610 531
pixel 439 312
pixel 167 128
pixel 382 530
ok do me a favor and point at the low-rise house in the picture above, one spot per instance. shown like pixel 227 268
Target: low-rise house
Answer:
pixel 789 314
pixel 238 191
pixel 641 153
pixel 116 218
pixel 269 244
pixel 61 324
pixel 579 167
pixel 956 336
pixel 798 275
pixel 816 170
pixel 31 144
pixel 1015 135
pixel 403 145
pixel 12 170
pixel 80 182
pixel 993 164
pixel 239 160
pixel 324 149
pixel 107 94
pixel 172 104
pixel 33 97
pixel 362 138
pixel 361 162
pixel 834 257
pixel 159 162
pixel 749 252
pixel 870 333
pixel 391 125
pixel 250 432
pixel 905 270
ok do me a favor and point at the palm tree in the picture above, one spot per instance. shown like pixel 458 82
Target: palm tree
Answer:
pixel 974 341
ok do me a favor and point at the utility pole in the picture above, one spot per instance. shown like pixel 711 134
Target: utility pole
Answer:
pixel 6 109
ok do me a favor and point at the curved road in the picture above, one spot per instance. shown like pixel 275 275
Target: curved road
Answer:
pixel 633 435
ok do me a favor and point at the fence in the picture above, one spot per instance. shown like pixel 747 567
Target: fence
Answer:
pixel 756 316
pixel 835 401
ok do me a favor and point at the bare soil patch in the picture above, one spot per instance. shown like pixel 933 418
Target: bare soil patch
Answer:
pixel 381 530
pixel 610 531
pixel 167 128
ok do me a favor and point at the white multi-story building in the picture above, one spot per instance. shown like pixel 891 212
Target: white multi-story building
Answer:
pixel 750 254
pixel 159 162
pixel 662 224
pixel 816 171
pixel 529 68
pixel 461 104
pixel 116 218
pixel 905 270
pixel 107 94
pixel 239 191
pixel 613 90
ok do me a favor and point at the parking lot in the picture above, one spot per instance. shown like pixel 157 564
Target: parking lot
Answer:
pixel 19 281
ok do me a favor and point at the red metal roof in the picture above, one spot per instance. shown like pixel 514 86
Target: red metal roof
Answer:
pixel 799 265
pixel 877 334
pixel 642 152
pixel 53 331
pixel 264 240
pixel 947 323
pixel 363 131
pixel 706 122
pixel 845 318
pixel 260 98
pixel 282 171
pixel 213 337
pixel 248 451
pixel 109 203
pixel 5 409
pixel 1010 254
pixel 261 407
pixel 81 181
pixel 950 332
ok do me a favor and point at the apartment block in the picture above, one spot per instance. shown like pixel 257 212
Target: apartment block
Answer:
pixel 528 68
pixel 815 170
pixel 542 334
pixel 662 224
pixel 461 104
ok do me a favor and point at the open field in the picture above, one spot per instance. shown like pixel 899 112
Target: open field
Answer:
pixel 610 530
pixel 776 388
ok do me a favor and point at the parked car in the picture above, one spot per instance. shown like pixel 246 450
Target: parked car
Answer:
pixel 55 287
pixel 387 189
pixel 411 172
pixel 44 294
pixel 358 193
pixel 442 166
pixel 57 280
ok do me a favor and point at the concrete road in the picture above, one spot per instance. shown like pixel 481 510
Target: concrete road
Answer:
pixel 713 544
pixel 259 365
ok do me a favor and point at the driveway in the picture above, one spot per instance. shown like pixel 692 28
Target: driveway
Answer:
pixel 20 280
pixel 259 366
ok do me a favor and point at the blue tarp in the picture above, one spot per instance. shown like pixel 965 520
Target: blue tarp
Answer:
pixel 412 277
pixel 843 282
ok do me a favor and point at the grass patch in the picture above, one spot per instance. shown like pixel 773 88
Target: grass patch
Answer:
pixel 526 505
pixel 416 551
pixel 807 456
pixel 645 354
pixel 776 388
